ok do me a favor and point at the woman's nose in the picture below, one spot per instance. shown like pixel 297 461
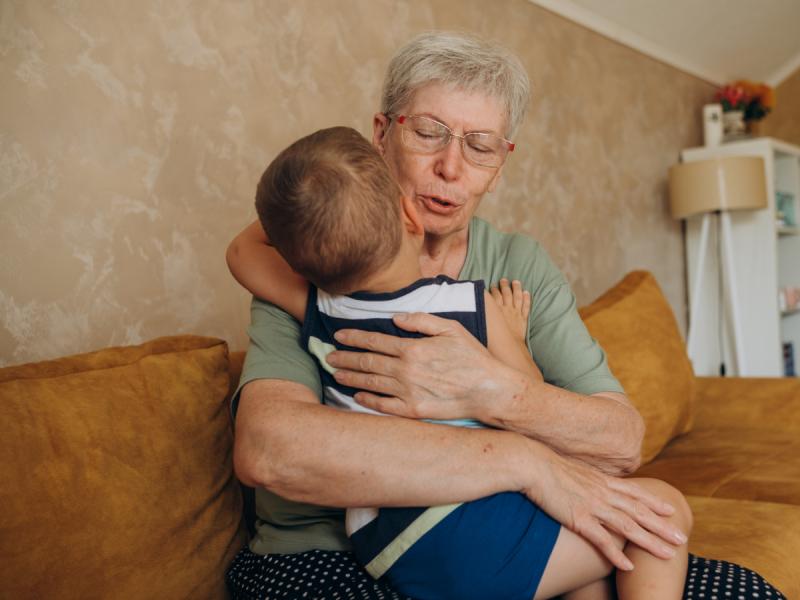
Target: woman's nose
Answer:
pixel 450 160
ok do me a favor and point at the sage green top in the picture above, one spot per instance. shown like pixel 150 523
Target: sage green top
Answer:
pixel 559 342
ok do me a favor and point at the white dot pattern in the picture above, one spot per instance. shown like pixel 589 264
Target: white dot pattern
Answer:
pixel 327 575
pixel 314 575
pixel 709 579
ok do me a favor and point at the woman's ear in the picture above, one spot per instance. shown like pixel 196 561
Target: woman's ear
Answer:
pixel 410 216
pixel 380 126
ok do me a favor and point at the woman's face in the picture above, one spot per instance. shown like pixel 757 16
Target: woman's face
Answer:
pixel 446 189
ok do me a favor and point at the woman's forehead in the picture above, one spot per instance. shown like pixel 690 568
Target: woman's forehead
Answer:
pixel 468 110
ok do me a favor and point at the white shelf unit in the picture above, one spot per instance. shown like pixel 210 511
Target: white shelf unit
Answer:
pixel 766 258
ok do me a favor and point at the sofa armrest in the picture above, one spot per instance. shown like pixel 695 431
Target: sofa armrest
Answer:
pixel 761 403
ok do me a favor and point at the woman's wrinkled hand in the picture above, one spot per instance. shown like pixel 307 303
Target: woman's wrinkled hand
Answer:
pixel 593 505
pixel 446 375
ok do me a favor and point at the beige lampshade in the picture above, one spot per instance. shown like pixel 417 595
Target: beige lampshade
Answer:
pixel 727 183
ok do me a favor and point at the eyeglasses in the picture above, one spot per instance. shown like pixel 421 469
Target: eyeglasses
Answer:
pixel 423 134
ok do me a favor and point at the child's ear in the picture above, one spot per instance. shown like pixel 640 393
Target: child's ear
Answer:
pixel 410 216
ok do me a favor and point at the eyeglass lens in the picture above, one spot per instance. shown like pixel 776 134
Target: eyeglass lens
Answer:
pixel 426 135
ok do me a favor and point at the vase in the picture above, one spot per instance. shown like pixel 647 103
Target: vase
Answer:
pixel 754 128
pixel 733 124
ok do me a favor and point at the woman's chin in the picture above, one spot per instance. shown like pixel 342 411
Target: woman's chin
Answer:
pixel 441 225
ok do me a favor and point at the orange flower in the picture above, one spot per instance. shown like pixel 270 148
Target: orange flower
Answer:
pixel 767 96
pixel 760 92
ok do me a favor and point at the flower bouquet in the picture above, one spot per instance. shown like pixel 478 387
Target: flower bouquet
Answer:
pixel 747 102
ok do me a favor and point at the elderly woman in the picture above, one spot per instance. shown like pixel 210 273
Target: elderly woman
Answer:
pixel 563 442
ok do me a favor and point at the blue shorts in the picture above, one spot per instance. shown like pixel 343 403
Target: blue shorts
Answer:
pixel 495 547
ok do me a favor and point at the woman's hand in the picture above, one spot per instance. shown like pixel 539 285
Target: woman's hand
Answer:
pixel 447 375
pixel 593 504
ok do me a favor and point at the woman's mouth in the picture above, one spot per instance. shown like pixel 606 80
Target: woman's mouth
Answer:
pixel 439 205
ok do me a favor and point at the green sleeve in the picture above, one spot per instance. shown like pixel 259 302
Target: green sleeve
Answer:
pixel 558 340
pixel 562 347
pixel 275 351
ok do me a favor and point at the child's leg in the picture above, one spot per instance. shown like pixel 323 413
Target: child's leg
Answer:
pixel 602 589
pixel 575 563
pixel 654 577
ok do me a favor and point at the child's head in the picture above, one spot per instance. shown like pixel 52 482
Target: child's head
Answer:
pixel 331 208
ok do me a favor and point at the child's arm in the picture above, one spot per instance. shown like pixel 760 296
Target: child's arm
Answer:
pixel 259 268
pixel 506 326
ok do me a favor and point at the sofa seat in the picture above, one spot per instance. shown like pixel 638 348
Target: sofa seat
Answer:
pixel 761 536
pixel 735 463
pixel 740 471
pixel 731 445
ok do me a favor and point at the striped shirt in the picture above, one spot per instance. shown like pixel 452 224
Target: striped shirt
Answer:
pixel 326 314
pixel 462 301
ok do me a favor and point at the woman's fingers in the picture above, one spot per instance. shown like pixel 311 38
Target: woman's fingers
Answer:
pixel 598 535
pixel 380 384
pixel 662 531
pixel 656 504
pixel 428 324
pixel 386 404
pixel 382 343
pixel 632 530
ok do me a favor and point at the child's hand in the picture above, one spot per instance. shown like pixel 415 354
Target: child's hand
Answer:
pixel 515 304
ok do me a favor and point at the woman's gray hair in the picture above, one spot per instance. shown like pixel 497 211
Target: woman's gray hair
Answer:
pixel 460 60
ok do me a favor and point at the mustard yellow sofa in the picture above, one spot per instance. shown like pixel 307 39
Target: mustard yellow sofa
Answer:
pixel 117 479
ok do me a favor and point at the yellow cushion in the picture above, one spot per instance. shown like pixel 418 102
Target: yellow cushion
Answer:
pixel 635 326
pixel 116 471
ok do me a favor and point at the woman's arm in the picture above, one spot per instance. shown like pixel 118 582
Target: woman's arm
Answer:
pixel 261 270
pixel 289 443
pixel 449 375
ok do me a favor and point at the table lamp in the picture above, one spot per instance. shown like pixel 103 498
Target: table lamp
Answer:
pixel 717 185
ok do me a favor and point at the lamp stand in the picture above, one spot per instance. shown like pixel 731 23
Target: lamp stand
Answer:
pixel 696 288
pixel 729 291
pixel 730 281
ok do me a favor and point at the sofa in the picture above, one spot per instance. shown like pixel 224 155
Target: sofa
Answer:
pixel 117 464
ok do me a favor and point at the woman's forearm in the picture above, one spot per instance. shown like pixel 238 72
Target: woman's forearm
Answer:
pixel 307 452
pixel 603 430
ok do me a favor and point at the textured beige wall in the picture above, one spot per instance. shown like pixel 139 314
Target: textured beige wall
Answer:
pixel 784 122
pixel 132 135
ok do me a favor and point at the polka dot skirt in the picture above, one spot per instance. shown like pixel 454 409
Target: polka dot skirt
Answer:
pixel 709 579
pixel 326 575
pixel 315 575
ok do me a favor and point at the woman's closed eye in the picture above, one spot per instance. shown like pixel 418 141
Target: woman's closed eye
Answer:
pixel 428 134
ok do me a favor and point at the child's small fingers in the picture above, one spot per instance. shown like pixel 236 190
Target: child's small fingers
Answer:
pixel 516 292
pixel 495 293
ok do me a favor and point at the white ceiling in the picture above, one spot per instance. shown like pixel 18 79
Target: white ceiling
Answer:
pixel 716 40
